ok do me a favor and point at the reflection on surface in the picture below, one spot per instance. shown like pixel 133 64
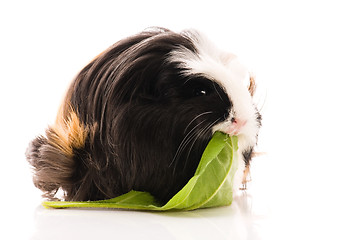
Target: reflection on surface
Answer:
pixel 238 221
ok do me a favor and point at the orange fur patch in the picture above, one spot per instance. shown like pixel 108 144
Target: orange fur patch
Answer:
pixel 252 85
pixel 69 132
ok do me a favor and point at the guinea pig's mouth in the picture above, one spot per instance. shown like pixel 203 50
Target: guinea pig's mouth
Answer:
pixel 232 126
pixel 245 130
pixel 236 127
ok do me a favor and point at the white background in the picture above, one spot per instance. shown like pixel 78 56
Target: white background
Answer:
pixel 307 59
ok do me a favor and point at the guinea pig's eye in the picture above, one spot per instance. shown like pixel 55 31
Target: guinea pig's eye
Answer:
pixel 199 91
pixel 198 86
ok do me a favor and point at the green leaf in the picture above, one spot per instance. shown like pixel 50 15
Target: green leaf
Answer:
pixel 211 185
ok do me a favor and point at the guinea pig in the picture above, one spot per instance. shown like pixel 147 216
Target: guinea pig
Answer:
pixel 139 116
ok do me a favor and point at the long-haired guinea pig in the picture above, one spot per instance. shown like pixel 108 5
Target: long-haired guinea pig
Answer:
pixel 139 116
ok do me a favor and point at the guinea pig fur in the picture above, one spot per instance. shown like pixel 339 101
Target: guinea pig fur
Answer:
pixel 139 116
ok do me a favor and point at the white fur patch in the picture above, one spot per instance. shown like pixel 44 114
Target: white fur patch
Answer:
pixel 227 72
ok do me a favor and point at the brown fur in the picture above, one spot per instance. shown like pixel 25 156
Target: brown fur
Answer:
pixel 58 144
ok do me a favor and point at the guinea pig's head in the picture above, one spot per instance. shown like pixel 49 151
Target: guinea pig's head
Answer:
pixel 149 106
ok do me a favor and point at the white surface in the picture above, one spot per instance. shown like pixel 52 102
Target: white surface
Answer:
pixel 306 56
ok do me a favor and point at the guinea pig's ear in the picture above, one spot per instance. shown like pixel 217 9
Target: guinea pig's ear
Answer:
pixel 52 155
pixel 252 85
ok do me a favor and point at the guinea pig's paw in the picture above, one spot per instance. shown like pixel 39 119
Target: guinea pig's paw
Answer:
pixel 246 178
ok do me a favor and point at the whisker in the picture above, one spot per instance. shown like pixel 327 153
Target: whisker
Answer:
pixel 217 92
pixel 185 142
pixel 195 119
pixel 180 150
pixel 199 134
pixel 264 103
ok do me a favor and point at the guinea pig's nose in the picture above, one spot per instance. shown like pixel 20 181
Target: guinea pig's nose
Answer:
pixel 240 123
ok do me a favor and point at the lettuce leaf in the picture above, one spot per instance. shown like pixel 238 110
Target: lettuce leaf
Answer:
pixel 211 185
